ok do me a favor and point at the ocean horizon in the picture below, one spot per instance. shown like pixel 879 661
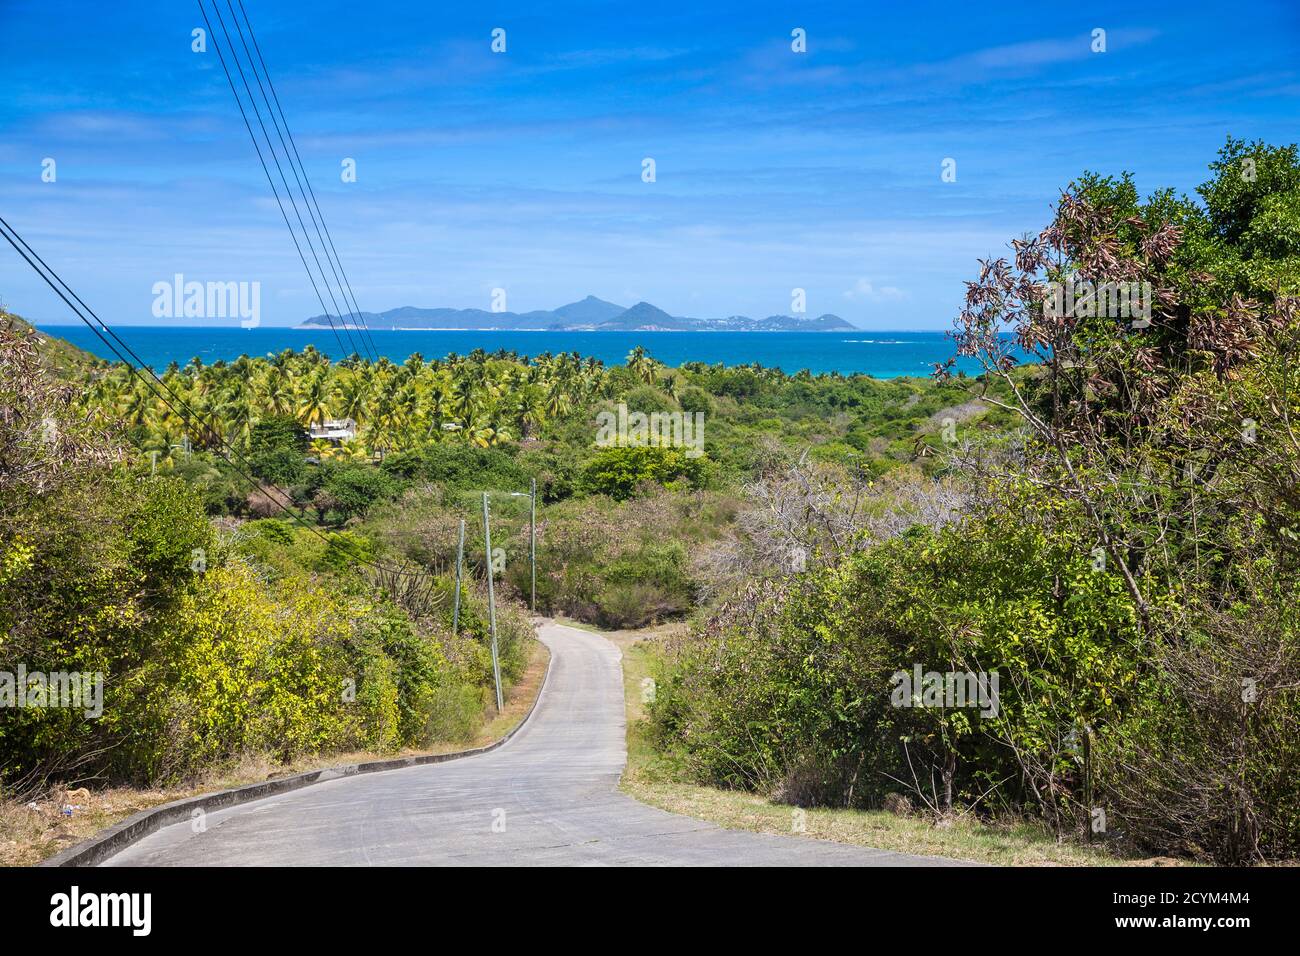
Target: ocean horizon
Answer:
pixel 881 354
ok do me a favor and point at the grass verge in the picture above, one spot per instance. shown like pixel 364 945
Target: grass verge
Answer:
pixel 33 831
pixel 1011 843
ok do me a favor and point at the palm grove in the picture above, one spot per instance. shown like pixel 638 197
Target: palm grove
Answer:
pixel 1109 526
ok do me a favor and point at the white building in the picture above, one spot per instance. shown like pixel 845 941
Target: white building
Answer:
pixel 335 429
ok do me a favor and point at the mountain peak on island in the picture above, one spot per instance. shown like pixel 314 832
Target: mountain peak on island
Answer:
pixel 590 314
pixel 590 309
pixel 645 317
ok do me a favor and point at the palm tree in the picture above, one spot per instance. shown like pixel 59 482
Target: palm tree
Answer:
pixel 530 409
pixel 557 400
pixel 311 404
pixel 275 392
pixel 671 386
pixel 641 364
pixel 458 398
pixel 414 364
pixel 351 394
pixel 406 412
pixel 323 449
pixel 237 413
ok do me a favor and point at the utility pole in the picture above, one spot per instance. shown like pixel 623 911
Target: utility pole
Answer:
pixel 1087 778
pixel 532 543
pixel 460 558
pixel 492 600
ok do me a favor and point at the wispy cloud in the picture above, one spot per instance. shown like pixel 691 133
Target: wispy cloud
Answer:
pixel 865 291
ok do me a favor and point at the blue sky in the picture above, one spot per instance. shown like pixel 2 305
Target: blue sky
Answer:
pixel 522 170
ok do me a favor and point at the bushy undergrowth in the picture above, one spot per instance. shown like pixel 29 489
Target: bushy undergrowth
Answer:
pixel 623 564
pixel 211 643
pixel 1126 564
pixel 240 657
pixel 788 691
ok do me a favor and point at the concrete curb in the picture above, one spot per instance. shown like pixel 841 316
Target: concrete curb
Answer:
pixel 138 826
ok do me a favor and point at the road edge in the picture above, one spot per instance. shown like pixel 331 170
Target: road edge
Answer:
pixel 134 828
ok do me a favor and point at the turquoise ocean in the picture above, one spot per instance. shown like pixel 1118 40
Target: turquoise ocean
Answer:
pixel 880 354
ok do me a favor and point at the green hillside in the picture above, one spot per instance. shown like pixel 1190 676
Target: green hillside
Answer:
pixel 59 354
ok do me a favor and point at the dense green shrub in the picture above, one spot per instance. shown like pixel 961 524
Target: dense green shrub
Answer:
pixel 220 489
pixel 458 466
pixel 647 399
pixel 798 691
pixel 645 586
pixel 279 466
pixel 349 490
pixel 277 433
pixel 91 584
pixel 621 472
pixel 696 400
pixel 455 712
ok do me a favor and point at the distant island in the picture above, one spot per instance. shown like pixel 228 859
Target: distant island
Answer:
pixel 589 315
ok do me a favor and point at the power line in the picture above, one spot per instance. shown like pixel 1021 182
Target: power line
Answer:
pixel 252 101
pixel 109 338
pixel 265 169
pixel 294 169
pixel 311 191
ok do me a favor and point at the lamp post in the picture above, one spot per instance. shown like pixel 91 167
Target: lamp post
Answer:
pixel 532 539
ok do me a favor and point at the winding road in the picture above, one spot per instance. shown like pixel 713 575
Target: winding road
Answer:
pixel 547 797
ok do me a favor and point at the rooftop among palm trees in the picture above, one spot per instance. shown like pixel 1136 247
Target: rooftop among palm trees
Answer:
pixel 334 429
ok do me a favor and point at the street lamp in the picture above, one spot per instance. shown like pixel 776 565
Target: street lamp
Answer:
pixel 531 495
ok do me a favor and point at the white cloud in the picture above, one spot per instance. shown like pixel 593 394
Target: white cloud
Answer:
pixel 866 291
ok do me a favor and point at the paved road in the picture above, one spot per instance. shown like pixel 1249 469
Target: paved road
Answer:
pixel 551 793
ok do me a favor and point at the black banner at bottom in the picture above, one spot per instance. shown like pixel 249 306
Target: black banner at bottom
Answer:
pixel 218 906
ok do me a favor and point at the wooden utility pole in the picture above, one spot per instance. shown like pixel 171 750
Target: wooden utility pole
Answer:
pixel 532 544
pixel 492 600
pixel 460 559
pixel 1087 778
